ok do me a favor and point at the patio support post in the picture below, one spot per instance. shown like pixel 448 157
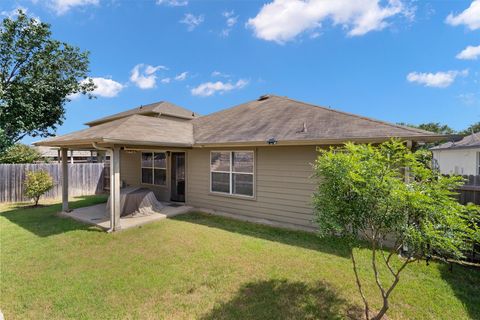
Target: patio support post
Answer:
pixel 115 188
pixel 64 152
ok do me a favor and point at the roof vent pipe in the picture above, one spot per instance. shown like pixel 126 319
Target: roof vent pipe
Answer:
pixel 272 141
pixel 304 128
pixel 264 97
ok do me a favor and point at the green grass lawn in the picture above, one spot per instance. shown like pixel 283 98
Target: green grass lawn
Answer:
pixel 198 266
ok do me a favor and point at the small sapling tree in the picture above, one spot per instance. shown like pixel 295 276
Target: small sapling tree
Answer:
pixel 36 184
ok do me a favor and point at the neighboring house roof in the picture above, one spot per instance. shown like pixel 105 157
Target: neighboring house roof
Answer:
pixel 270 117
pixel 471 141
pixel 285 119
pixel 157 108
pixel 49 152
pixel 133 129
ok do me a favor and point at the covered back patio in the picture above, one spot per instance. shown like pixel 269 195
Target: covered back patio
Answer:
pixel 147 171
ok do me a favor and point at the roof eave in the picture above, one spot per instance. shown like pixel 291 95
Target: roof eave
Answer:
pixel 428 138
pixel 109 119
pixel 149 143
pixel 80 142
pixel 454 148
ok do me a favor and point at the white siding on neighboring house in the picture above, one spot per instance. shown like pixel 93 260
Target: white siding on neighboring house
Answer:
pixel 458 161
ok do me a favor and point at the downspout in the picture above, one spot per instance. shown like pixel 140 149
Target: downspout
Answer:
pixel 96 146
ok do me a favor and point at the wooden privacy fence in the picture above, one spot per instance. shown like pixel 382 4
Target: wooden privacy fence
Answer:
pixel 83 179
pixel 470 191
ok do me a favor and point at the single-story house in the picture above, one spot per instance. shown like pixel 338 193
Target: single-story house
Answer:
pixel 461 157
pixel 253 160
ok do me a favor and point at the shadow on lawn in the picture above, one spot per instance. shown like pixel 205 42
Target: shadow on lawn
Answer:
pixel 281 299
pixel 465 283
pixel 302 239
pixel 43 221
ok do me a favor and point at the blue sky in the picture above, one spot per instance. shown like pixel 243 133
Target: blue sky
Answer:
pixel 398 61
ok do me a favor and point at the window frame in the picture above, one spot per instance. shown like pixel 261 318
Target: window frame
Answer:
pixel 153 168
pixel 231 172
pixel 478 162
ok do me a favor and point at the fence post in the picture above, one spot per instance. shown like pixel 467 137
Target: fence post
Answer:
pixel 65 180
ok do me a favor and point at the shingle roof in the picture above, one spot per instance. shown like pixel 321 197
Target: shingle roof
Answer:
pixel 471 141
pixel 162 107
pixel 285 119
pixel 134 129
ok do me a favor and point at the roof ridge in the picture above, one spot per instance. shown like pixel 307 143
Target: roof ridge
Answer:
pixel 357 116
pixel 224 110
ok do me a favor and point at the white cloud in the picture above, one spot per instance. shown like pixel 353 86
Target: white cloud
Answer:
pixel 436 80
pixel 63 6
pixel 144 75
pixel 210 88
pixel 182 76
pixel 283 20
pixel 469 17
pixel 469 99
pixel 173 3
pixel 165 80
pixel 469 53
pixel 106 88
pixel 231 21
pixel 220 74
pixel 192 21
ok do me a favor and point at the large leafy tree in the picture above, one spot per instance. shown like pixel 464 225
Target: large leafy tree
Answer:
pixel 37 74
pixel 434 127
pixel 391 198
pixel 472 128
pixel 20 153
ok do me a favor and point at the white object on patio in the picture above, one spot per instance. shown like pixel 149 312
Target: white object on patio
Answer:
pixel 99 215
pixel 137 201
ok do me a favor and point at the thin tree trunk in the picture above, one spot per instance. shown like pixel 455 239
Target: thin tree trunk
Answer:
pixel 379 284
pixel 386 295
pixel 359 285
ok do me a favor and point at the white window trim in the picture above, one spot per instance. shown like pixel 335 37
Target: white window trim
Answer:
pixel 231 172
pixel 153 168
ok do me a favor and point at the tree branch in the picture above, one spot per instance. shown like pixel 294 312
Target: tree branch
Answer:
pixel 375 270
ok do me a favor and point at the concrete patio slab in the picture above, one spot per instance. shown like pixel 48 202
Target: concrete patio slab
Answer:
pixel 97 215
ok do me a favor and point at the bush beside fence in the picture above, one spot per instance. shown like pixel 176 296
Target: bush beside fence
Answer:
pixel 83 179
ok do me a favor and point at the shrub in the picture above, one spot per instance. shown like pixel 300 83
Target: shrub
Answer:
pixel 20 153
pixel 36 184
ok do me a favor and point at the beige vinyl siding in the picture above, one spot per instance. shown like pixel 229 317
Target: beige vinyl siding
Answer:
pixel 283 190
pixel 130 173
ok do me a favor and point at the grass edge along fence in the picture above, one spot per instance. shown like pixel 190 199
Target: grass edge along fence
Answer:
pixel 83 179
